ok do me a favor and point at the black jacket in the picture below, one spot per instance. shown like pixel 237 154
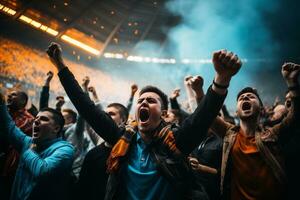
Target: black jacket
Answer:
pixel 188 136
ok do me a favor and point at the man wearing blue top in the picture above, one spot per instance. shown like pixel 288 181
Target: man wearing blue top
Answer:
pixel 45 159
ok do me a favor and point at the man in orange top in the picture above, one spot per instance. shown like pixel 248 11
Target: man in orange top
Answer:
pixel 252 165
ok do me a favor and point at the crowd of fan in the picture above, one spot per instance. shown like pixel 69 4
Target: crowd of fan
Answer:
pixel 202 152
pixel 26 67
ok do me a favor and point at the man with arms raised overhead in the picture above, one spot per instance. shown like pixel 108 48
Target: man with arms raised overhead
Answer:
pixel 148 159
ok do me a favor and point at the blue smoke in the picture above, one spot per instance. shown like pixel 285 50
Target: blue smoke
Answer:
pixel 239 26
pixel 247 27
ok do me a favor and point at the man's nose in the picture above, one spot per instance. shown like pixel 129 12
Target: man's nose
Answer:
pixel 245 98
pixel 37 121
pixel 144 102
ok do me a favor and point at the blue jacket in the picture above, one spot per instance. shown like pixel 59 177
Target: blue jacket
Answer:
pixel 40 175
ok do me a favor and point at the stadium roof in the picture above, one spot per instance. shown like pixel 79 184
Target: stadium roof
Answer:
pixel 103 26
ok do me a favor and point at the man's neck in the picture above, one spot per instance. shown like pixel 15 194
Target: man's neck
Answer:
pixel 249 127
pixel 146 137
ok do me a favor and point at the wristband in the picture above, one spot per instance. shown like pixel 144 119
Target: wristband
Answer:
pixel 220 86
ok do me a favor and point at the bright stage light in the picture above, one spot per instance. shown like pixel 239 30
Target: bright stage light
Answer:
pixel 80 44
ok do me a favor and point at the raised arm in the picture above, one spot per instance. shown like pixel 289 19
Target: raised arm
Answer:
pixel 76 134
pixel 190 94
pixel 219 125
pixel 195 127
pixel 173 99
pixel 134 89
pixel 197 86
pixel 290 73
pixel 98 119
pixel 44 98
pixel 95 96
pixel 60 101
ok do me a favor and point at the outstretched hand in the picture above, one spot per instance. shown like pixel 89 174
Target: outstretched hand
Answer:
pixel 54 52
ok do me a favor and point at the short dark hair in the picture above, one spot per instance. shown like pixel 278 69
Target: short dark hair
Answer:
pixel 72 113
pixel 122 110
pixel 23 96
pixel 250 90
pixel 161 94
pixel 57 117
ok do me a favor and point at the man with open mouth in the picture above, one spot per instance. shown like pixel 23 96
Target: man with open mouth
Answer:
pixel 253 165
pixel 149 158
pixel 45 159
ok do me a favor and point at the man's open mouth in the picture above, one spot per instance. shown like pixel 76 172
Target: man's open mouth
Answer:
pixel 144 115
pixel 35 130
pixel 246 106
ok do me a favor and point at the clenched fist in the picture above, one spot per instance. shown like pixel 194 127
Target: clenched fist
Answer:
pixel 134 89
pixel 60 101
pixel 54 52
pixel 197 83
pixel 175 93
pixel 226 63
pixel 290 72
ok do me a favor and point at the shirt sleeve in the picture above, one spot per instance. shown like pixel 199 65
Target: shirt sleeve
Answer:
pixel 10 131
pixel 44 98
pixel 58 162
pixel 100 121
pixel 194 129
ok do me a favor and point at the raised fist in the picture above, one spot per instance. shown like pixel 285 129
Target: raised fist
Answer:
pixel 226 64
pixel 134 88
pixel 60 101
pixel 49 76
pixel 290 72
pixel 187 80
pixel 175 93
pixel 54 53
pixel 197 83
